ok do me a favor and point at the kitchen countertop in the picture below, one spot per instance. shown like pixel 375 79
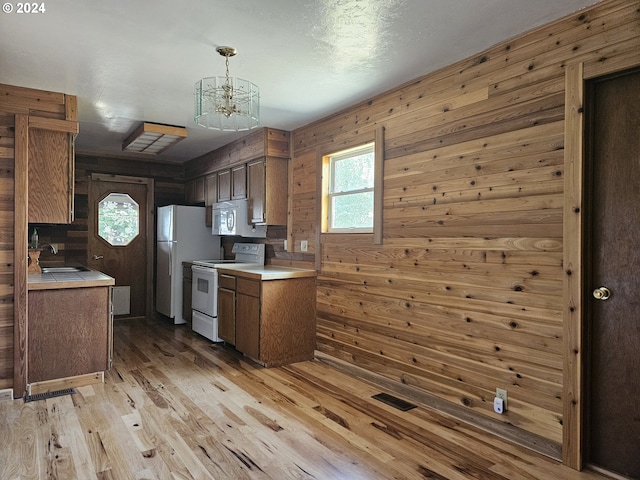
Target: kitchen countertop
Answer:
pixel 53 281
pixel 266 272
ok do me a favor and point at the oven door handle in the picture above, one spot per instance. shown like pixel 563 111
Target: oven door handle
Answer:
pixel 199 268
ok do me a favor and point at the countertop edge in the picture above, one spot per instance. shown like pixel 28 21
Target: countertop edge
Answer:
pixel 57 285
pixel 57 281
pixel 267 272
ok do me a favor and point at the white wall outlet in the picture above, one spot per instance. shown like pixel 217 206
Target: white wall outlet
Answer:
pixel 501 393
pixel 304 245
pixel 285 246
pixel 6 394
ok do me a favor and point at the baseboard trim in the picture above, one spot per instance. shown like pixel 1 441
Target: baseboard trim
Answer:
pixel 513 434
pixel 64 383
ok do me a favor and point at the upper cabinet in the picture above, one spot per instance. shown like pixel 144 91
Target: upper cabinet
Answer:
pixel 51 159
pixel 254 167
pixel 195 190
pixel 51 162
pixel 267 180
pixel 45 146
pixel 224 185
pixel 239 182
pixel 211 189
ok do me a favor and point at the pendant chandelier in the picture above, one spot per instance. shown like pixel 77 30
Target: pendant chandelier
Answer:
pixel 227 103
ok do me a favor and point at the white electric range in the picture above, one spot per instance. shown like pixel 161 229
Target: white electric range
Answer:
pixel 204 296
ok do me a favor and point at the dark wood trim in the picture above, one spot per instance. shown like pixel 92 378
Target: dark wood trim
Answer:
pixel 378 189
pixel 319 210
pixel 20 240
pixel 574 321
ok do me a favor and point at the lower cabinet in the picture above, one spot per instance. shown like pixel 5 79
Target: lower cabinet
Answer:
pixel 187 276
pixel 227 308
pixel 69 333
pixel 274 321
pixel 248 318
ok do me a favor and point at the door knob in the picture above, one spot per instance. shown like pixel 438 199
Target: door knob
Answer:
pixel 98 257
pixel 602 293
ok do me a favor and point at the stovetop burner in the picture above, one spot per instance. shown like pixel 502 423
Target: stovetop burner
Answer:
pixel 244 253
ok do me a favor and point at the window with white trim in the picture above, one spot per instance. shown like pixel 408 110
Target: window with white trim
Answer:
pixel 349 190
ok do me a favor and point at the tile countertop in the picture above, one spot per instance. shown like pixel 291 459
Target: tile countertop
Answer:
pixel 53 281
pixel 266 272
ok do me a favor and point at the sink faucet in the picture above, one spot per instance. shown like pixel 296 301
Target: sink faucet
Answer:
pixel 53 247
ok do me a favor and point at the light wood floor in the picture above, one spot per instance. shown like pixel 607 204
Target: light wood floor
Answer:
pixel 176 406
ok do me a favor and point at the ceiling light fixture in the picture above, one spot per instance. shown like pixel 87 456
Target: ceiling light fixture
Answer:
pixel 227 103
pixel 153 138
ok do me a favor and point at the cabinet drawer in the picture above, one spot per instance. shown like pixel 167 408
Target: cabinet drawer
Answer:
pixel 248 287
pixel 226 281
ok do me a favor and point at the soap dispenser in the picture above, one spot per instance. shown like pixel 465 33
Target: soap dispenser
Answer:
pixel 34 239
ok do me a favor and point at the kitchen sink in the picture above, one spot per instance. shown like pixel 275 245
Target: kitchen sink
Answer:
pixel 65 269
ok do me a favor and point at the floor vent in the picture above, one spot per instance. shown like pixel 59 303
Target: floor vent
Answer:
pixel 45 395
pixel 394 401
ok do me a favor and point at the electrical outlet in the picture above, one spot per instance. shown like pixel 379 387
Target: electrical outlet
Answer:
pixel 501 393
pixel 285 246
pixel 304 245
pixel 6 394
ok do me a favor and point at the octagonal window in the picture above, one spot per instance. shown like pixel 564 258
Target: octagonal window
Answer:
pixel 118 219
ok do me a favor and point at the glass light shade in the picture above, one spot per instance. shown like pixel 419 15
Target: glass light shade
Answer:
pixel 227 103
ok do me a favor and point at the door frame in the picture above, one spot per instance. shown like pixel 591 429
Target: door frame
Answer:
pixel 150 224
pixel 574 318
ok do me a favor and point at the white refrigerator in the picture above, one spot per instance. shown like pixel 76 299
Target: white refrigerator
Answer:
pixel 181 236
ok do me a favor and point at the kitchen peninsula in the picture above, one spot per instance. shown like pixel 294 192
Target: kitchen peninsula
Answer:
pixel 70 329
pixel 268 312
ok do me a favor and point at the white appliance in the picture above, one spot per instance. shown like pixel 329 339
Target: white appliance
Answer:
pixel 204 299
pixel 231 218
pixel 181 236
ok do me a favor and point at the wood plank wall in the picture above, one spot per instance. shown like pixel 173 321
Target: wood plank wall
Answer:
pixel 466 292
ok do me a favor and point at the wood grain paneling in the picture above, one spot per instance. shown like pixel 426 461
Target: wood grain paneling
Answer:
pixel 470 289
pixel 7 219
pixel 259 143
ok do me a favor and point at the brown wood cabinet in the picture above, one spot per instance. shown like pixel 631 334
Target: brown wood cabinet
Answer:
pixel 195 191
pixel 267 181
pixel 232 183
pixel 274 319
pixel 227 308
pixel 248 317
pixel 239 182
pixel 211 189
pixel 224 185
pixel 51 174
pixel 70 332
pixel 187 277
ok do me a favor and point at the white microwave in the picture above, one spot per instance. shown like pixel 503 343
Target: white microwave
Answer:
pixel 230 218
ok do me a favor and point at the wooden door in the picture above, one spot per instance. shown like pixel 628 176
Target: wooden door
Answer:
pixel 613 191
pixel 130 263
